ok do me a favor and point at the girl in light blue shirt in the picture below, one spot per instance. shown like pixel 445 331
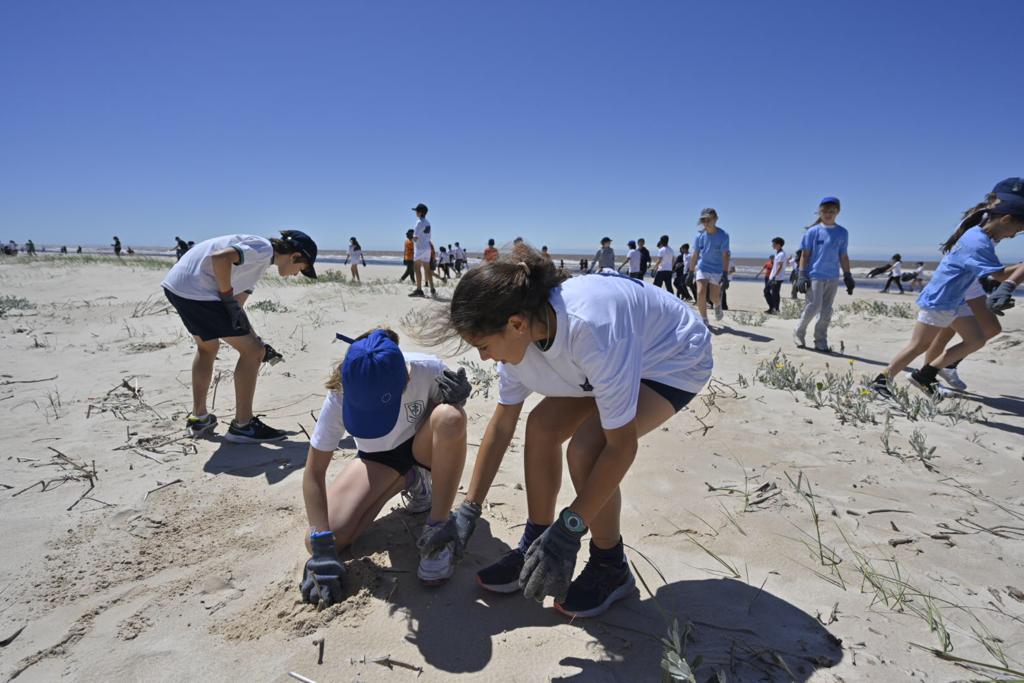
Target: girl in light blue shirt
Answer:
pixel 970 255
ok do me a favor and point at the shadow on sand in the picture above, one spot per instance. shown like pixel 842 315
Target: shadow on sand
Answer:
pixel 747 633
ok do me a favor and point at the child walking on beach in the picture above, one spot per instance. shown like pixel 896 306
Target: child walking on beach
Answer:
pixel 208 288
pixel 355 254
pixel 970 255
pixel 776 276
pixel 404 411
pixel 663 265
pixel 422 252
pixel 823 254
pixel 709 264
pixel 614 358
pixel 895 271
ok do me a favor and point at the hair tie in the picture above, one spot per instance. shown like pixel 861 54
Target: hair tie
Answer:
pixel 525 266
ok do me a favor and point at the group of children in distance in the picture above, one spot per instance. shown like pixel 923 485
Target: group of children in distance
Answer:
pixel 613 357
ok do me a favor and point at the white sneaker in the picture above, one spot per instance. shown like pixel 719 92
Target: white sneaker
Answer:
pixel 718 312
pixel 417 494
pixel 437 568
pixel 951 377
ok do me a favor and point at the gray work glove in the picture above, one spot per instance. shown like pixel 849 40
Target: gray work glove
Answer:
pixel 239 321
pixel 849 282
pixel 725 281
pixel 323 574
pixel 271 355
pixel 550 562
pixel 691 279
pixel 1002 298
pixel 455 531
pixel 455 387
pixel 803 282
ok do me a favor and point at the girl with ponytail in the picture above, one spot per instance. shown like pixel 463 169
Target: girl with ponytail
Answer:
pixel 614 358
pixel 970 256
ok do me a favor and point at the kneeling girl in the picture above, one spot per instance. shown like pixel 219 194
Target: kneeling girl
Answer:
pixel 404 411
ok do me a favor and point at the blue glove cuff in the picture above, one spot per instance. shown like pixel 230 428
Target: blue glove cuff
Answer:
pixel 321 534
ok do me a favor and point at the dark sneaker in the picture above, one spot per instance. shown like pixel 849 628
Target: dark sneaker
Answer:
pixel 433 292
pixel 199 426
pixel 503 575
pixel 823 349
pixel 596 588
pixel 418 292
pixel 929 388
pixel 881 387
pixel 254 432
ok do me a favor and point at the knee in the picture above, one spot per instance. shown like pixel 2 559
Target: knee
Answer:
pixel 990 331
pixel 582 452
pixel 208 348
pixel 448 421
pixel 542 425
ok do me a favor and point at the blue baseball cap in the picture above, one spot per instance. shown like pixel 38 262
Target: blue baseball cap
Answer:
pixel 373 378
pixel 1011 196
pixel 829 200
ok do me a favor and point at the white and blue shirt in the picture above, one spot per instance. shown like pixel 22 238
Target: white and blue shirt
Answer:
pixel 825 245
pixel 973 256
pixel 712 248
pixel 612 331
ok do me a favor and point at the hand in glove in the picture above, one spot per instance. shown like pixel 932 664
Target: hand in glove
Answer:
pixel 803 283
pixel 550 561
pixel 324 573
pixel 239 321
pixel 1002 298
pixel 270 355
pixel 456 530
pixel 988 283
pixel 849 282
pixel 725 281
pixel 691 279
pixel 455 387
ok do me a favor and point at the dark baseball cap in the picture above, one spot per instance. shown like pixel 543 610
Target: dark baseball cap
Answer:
pixel 420 207
pixel 631 244
pixel 1011 196
pixel 829 200
pixel 605 239
pixel 303 244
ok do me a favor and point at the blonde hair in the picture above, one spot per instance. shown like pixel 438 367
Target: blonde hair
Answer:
pixel 333 382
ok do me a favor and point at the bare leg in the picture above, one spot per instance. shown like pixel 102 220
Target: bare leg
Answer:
pixel 419 266
pixel 440 444
pixel 356 497
pixel 250 355
pixel 715 293
pixel 702 298
pixel 939 344
pixel 585 448
pixel 202 373
pixel 920 339
pixel 549 425
pixel 973 339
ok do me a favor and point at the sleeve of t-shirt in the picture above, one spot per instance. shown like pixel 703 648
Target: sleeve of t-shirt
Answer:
pixel 698 242
pixel 725 244
pixel 986 261
pixel 511 391
pixel 613 368
pixel 806 241
pixel 252 249
pixel 329 428
pixel 844 243
pixel 433 368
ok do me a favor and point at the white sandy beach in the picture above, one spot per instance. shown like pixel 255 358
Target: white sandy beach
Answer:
pixel 183 562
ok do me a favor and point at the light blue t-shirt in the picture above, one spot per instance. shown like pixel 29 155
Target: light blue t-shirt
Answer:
pixel 973 256
pixel 712 248
pixel 825 246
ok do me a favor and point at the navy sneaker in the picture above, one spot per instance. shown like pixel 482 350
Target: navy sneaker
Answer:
pixel 254 432
pixel 503 575
pixel 596 588
pixel 930 388
pixel 200 426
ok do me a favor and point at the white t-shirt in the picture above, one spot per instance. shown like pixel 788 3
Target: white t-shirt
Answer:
pixel 420 392
pixel 421 240
pixel 668 257
pixel 459 254
pixel 897 269
pixel 779 265
pixel 612 331
pixel 355 255
pixel 192 277
pixel 633 257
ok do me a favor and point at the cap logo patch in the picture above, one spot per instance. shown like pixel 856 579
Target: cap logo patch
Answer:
pixel 385 397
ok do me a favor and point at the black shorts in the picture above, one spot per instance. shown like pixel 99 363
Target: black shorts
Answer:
pixel 399 458
pixel 204 319
pixel 677 397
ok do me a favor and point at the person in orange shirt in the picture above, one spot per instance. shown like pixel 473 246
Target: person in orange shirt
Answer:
pixel 407 259
pixel 490 253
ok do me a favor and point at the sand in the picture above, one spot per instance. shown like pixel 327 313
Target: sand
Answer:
pixel 182 561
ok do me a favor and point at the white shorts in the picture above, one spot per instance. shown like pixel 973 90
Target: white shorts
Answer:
pixel 423 256
pixel 713 278
pixel 942 318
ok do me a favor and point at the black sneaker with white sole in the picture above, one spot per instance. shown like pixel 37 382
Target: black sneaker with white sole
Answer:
pixel 880 385
pixel 503 575
pixel 930 388
pixel 596 589
pixel 254 432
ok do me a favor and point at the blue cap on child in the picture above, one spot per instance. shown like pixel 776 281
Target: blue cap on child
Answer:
pixel 829 200
pixel 1011 196
pixel 373 378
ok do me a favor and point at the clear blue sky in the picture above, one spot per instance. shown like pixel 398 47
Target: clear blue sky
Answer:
pixel 557 121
